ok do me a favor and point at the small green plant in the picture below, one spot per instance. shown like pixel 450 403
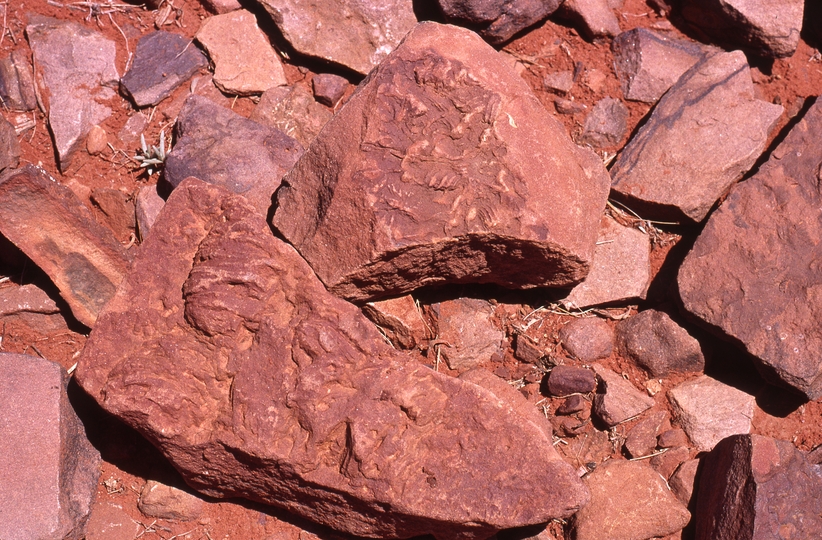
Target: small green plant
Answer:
pixel 152 159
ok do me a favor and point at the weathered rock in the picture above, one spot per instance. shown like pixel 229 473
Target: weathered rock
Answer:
pixel 559 82
pixel 648 63
pixel 357 34
pixel 17 82
pixel 109 521
pixel 587 338
pixel 244 61
pixel 683 480
pixel 445 168
pixel 168 502
pixel 221 6
pixel 117 208
pixel 26 298
pixel 756 488
pixel 572 404
pixel 328 88
pixel 606 124
pixel 568 106
pixel 668 462
pixel 617 400
pixel 658 344
pixel 49 468
pixel 293 111
pixel 162 62
pixel 55 230
pixel 466 333
pixel 703 135
pixel 709 410
pixel 629 501
pixel 400 320
pixel 78 70
pixel 221 147
pixel 754 274
pixel 497 21
pixel 527 350
pixel 673 437
pixel 641 439
pixel 595 18
pixel 566 380
pixel 770 30
pixel 148 205
pixel 96 141
pixel 620 271
pixel 362 438
pixel 133 128
pixel 9 147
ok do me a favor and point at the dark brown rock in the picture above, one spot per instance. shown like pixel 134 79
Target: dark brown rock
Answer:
pixel 168 502
pixel 9 147
pixel 17 82
pixel 754 274
pixel 442 173
pixel 117 209
pixel 595 18
pixel 566 380
pixel 572 404
pixel 587 338
pixel 49 468
pixel 221 147
pixel 702 136
pixel 328 88
pixel 466 334
pixel 255 382
pixel 617 400
pixel 606 124
pixel 659 345
pixel 293 111
pixel 756 488
pixel 527 350
pixel 400 321
pixel 641 439
pixel 162 62
pixel 497 21
pixel 57 232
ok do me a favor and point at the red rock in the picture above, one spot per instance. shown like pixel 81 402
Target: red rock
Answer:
pixel 641 439
pixel 606 125
pixel 25 298
pixel 618 399
pixel 168 502
pixel 595 18
pixel 559 82
pixel 587 338
pixel 683 480
pixel 668 462
pixel 400 320
pixel 56 231
pixel 498 21
pixel 117 209
pixel 328 88
pixel 109 521
pixel 293 111
pixel 526 350
pixel 673 437
pixel 221 6
pixel 659 345
pixel 224 350
pixel 466 335
pixel 147 207
pixel 566 380
pixel 501 195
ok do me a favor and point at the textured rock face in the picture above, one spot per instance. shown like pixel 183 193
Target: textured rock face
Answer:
pixel 595 17
pixel 357 34
pixel 703 135
pixel 606 124
pixel 468 336
pixel 17 82
pixel 619 400
pixel 293 111
pixel 498 20
pixel 255 382
pixel 587 338
pixel 659 345
pixel 400 321
pixel 767 292
pixel 757 488
pixel 445 168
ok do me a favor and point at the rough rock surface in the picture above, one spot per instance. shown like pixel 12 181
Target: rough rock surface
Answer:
pixel 758 488
pixel 25 299
pixel 497 21
pixel 244 61
pixel 221 6
pixel 274 390
pixel 618 400
pixel 566 380
pixel 620 271
pixel 168 502
pixel 57 232
pixel 221 147
pixel 767 292
pixel 766 28
pixel 78 70
pixel 629 501
pixel 328 88
pixel 357 34
pixel 9 147
pixel 658 344
pixel 466 335
pixel 49 469
pixel 110 522
pixel 606 124
pixel 293 111
pixel 587 338
pixel 709 410
pixel 670 460
pixel 703 135
pixel 148 204
pixel 162 62
pixel 400 320
pixel 17 82
pixel 641 439
pixel 595 18
pixel 683 480
pixel 451 171
pixel 559 82
pixel 117 209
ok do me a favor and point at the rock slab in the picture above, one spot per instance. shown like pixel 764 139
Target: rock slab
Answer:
pixel 617 400
pixel 293 111
pixel 497 21
pixel 445 168
pixel 400 320
pixel 254 381
pixel 466 335
pixel 659 345
pixel 17 82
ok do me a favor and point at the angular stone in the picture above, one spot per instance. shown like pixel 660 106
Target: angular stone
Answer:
pixel 133 128
pixel 57 232
pixel 445 168
pixel 400 320
pixel 758 488
pixel 357 34
pixel 659 345
pixel 595 18
pixel 497 21
pixel 526 350
pixel 572 404
pixel 587 338
pixel 755 273
pixel 606 124
pixel 25 298
pixel 629 501
pixel 620 271
pixel 49 468
pixel 168 502
pixel 559 82
pixel 109 521
pixel 641 439
pixel 767 29
pixel 117 208
pixel 683 480
pixel 673 437
pixel 566 380
pixel 668 462
pixel 162 62
pixel 293 111
pixel 17 82
pixel 466 333
pixel 363 438
pixel 79 73
pixel 148 205
pixel 221 6
pixel 709 410
pixel 221 147
pixel 703 135
pixel 9 147
pixel 618 400
pixel 244 61
pixel 649 63
pixel 328 88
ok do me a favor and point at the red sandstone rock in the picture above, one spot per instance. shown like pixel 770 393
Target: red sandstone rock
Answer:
pixel 400 320
pixel 659 345
pixel 617 400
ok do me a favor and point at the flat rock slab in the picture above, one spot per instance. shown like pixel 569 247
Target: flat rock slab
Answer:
pixel 162 62
pixel 765 28
pixel 617 400
pixel 703 135
pixel 659 345
pixel 606 124
pixel 78 70
pixel 754 274
pixel 26 299
pixel 594 18
pixel 466 335
pixel 400 320
pixel 168 502
pixel 255 382
pixel 497 21
pixel 445 168
pixel 48 223
pixel 709 410
pixel 17 82
pixel 244 61
pixel 221 147
pixel 357 34
pixel 758 488
pixel 293 111
pixel 49 468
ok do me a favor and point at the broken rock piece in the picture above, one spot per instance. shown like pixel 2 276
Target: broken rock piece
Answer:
pixel 498 21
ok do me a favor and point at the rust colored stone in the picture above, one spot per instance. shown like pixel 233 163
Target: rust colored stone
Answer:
pixel 400 320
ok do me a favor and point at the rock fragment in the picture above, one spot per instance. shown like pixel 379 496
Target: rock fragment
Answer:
pixel 293 111
pixel 9 146
pixel 477 183
pixel 659 345
pixel 683 480
pixel 328 88
pixel 26 299
pixel 606 124
pixel 559 82
pixel 466 333
pixel 587 338
pixel 567 380
pixel 17 82
pixel 148 204
pixel 617 400
pixel 595 18
pixel 496 21
pixel 641 439
pixel 400 320
pixel 109 521
pixel 221 6
pixel 667 462
pixel 168 502
pixel 117 209
pixel 97 141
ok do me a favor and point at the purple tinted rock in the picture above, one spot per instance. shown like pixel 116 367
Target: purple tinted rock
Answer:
pixel 17 82
pixel 587 338
pixel 667 462
pixel 293 111
pixel 148 205
pixel 527 350
pixel 328 88
pixel 618 400
pixel 49 468
pixel 566 380
pixel 673 437
pixel 498 21
pixel 559 82
pixel 595 18
pixel 467 334
pixel 659 345
pixel 606 124
pixel 572 404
